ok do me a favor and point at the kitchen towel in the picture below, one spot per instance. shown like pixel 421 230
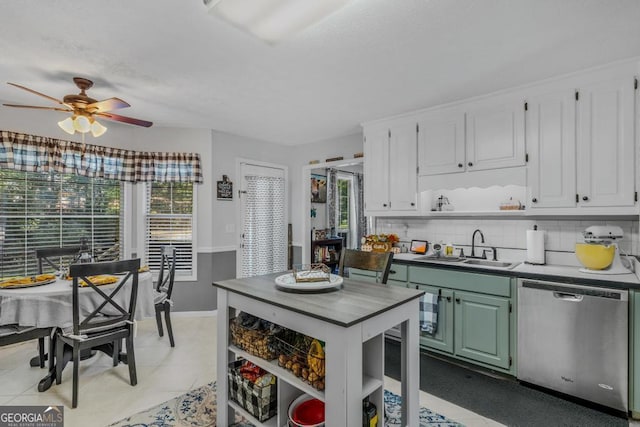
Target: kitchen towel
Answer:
pixel 429 313
pixel 535 246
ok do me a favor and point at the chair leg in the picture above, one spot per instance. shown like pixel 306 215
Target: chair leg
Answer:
pixel 76 368
pixel 41 351
pixel 131 359
pixel 116 352
pixel 167 319
pixel 159 321
pixel 52 350
pixel 59 358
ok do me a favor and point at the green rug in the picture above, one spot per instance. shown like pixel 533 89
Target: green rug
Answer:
pixel 197 408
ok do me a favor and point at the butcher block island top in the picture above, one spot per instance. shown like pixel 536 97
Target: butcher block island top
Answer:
pixel 355 302
pixel 350 321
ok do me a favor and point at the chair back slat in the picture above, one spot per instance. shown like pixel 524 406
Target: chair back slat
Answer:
pixel 166 276
pixel 100 318
pixel 379 262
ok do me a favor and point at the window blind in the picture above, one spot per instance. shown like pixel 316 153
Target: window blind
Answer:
pixel 49 209
pixel 169 221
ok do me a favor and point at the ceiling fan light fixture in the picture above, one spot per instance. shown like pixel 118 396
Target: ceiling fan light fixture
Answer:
pixel 67 126
pixel 273 20
pixel 82 124
pixel 97 129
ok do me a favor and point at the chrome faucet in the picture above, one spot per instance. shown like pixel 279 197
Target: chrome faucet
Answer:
pixel 473 244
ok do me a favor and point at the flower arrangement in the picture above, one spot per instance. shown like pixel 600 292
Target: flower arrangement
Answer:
pixel 372 238
pixel 379 242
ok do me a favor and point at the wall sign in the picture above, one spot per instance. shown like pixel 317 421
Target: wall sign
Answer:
pixel 224 189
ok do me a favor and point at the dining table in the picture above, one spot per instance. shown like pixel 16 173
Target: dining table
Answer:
pixel 50 306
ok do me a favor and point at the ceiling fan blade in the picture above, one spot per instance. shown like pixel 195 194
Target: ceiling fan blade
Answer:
pixel 37 93
pixel 66 110
pixel 108 105
pixel 130 120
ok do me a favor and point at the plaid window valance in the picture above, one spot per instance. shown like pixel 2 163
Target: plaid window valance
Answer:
pixel 41 154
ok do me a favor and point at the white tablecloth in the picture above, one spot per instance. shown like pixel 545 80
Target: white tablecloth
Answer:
pixel 51 305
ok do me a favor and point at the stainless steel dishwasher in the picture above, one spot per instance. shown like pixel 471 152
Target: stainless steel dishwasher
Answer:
pixel 573 339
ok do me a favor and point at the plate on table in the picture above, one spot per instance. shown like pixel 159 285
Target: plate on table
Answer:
pixel 28 281
pixel 287 282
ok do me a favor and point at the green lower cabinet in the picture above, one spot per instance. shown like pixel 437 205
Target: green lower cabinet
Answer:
pixel 482 328
pixel 443 338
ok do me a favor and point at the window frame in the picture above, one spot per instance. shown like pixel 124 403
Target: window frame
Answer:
pixel 141 235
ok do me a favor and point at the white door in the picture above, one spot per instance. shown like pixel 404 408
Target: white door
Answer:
pixel 551 142
pixel 403 164
pixel 441 143
pixel 376 169
pixel 495 135
pixel 606 144
pixel 263 211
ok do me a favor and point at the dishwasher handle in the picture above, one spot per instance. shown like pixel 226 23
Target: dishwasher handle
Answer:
pixel 568 297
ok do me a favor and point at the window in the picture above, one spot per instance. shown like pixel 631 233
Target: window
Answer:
pixel 169 211
pixel 49 209
pixel 345 212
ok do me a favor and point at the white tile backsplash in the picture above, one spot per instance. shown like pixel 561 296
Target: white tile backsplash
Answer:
pixel 507 234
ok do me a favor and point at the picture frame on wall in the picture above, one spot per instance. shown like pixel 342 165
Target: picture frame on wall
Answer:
pixel 318 188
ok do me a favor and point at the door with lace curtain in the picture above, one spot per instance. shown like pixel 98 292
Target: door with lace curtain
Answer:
pixel 263 211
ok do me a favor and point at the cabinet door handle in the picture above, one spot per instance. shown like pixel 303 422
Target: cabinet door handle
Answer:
pixel 413 204
pixel 458 300
pixel 392 272
pixel 449 299
pixel 534 200
pixel 384 205
pixel 470 163
pixel 460 165
pixel 585 198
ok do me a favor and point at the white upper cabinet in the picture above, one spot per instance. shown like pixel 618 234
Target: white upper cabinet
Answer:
pixel 441 142
pixel 376 168
pixel 605 134
pixel 495 134
pixel 390 168
pixel 551 145
pixel 403 178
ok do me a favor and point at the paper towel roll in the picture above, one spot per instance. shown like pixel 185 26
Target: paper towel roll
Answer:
pixel 535 246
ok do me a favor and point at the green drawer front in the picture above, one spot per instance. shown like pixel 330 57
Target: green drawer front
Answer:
pixel 472 282
pixel 398 272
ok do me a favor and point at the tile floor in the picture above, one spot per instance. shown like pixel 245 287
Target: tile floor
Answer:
pixel 163 373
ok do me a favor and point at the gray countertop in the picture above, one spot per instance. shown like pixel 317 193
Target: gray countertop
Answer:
pixel 354 302
pixel 557 273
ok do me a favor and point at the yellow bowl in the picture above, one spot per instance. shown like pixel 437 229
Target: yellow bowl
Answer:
pixel 595 257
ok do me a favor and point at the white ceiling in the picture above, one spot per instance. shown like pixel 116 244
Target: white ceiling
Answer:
pixel 179 66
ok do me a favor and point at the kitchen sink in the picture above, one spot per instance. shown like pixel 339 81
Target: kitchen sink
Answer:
pixel 488 263
pixel 439 259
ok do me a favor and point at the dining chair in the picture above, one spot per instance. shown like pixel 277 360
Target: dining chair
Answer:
pixel 164 289
pixel 13 334
pixel 107 325
pixel 379 262
pixel 65 256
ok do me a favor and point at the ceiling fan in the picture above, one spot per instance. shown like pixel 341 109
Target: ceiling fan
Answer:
pixel 84 109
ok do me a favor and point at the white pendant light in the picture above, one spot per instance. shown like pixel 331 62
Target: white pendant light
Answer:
pixel 67 126
pixel 273 20
pixel 97 129
pixel 82 124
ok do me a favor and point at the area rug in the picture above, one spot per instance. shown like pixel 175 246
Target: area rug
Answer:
pixel 197 408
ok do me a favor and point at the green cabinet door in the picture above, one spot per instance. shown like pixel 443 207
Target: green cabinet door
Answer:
pixel 482 328
pixel 443 338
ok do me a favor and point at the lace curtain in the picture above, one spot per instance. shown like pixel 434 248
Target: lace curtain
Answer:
pixel 265 239
pixel 33 153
